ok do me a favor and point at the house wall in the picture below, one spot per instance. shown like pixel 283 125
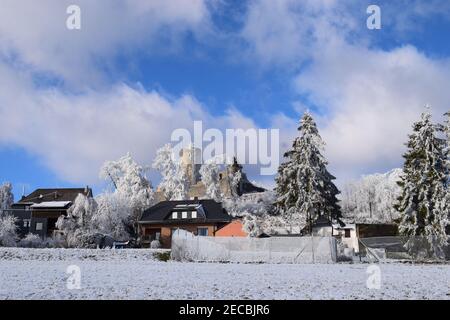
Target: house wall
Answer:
pixel 166 231
pixel 376 230
pixel 352 241
pixel 323 231
pixel 46 218
pixel 233 229
pixel 358 231
pixel 43 232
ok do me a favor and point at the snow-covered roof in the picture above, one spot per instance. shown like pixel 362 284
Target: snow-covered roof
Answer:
pixel 51 204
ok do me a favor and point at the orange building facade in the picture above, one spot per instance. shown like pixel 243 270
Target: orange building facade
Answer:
pixel 232 229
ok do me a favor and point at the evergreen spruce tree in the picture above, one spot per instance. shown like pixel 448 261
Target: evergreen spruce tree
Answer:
pixel 423 203
pixel 304 187
pixel 446 131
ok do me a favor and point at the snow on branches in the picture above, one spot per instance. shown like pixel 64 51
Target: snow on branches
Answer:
pixel 371 199
pixel 174 182
pixel 8 227
pixel 129 180
pixel 8 231
pixel 424 200
pixel 209 173
pixel 6 196
pixel 113 213
pixel 77 226
pixel 305 189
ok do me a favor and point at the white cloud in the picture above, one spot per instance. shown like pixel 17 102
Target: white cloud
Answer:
pixel 367 98
pixel 34 33
pixel 371 98
pixel 74 134
pixel 284 32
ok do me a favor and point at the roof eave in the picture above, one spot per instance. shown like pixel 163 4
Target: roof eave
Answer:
pixel 181 221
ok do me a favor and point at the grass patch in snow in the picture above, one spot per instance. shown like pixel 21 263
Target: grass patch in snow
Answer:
pixel 162 255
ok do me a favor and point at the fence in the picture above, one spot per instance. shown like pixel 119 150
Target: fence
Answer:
pixel 392 248
pixel 188 247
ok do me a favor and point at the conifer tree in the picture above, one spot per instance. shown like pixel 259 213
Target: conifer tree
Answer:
pixel 305 189
pixel 423 203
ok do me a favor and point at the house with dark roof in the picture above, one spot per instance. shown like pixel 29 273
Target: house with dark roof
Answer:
pixel 201 217
pixel 38 212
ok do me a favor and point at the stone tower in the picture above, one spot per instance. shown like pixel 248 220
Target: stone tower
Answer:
pixel 191 159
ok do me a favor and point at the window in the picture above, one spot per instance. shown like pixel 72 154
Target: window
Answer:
pixel 202 232
pixel 194 214
pixel 26 223
pixel 39 226
pixel 347 233
pixel 174 215
pixel 184 215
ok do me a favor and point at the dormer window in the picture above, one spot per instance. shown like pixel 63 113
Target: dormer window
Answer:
pixel 188 211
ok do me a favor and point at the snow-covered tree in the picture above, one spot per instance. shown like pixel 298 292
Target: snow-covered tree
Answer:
pixel 77 226
pixel 372 198
pixel 445 129
pixel 257 204
pixel 252 225
pixel 209 173
pixel 113 216
pixel 305 189
pixel 8 231
pixel 6 196
pixel 174 182
pixel 256 211
pixel 423 203
pixel 114 213
pixel 132 187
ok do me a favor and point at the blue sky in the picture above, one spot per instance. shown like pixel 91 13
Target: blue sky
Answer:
pixel 137 70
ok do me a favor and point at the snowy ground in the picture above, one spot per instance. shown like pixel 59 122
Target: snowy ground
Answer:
pixel 136 274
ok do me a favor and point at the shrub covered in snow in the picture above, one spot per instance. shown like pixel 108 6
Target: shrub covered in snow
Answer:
pixel 155 244
pixel 31 240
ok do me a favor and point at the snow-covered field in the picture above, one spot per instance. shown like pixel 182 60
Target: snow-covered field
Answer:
pixel 136 274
